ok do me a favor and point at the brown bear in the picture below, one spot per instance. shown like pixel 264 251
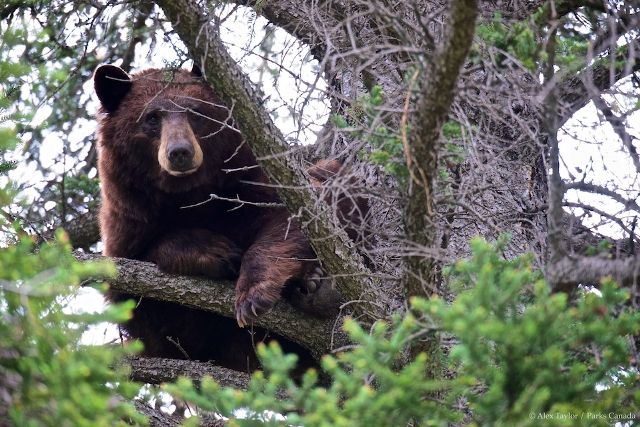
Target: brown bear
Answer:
pixel 166 143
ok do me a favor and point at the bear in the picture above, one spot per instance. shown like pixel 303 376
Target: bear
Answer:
pixel 166 143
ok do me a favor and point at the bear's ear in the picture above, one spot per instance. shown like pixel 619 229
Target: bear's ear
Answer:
pixel 111 83
pixel 195 70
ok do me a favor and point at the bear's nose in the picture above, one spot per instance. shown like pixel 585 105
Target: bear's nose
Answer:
pixel 180 157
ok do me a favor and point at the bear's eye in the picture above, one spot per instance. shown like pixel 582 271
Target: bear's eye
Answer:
pixel 196 114
pixel 152 118
pixel 197 117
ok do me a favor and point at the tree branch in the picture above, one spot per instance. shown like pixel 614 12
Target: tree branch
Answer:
pixel 564 273
pixel 557 248
pixel 521 10
pixel 610 217
pixel 421 151
pixel 9 9
pixel 156 370
pixel 330 243
pixel 143 11
pixel 607 38
pixel 598 189
pixel 567 272
pixel 156 417
pixel 581 238
pixel 307 21
pixel 144 279
pixel 620 128
pixel 83 231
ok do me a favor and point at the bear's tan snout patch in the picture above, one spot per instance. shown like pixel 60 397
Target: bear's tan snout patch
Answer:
pixel 179 153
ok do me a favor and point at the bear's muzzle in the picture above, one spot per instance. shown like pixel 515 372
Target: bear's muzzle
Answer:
pixel 179 153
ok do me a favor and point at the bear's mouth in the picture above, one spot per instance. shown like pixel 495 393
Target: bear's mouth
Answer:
pixel 181 173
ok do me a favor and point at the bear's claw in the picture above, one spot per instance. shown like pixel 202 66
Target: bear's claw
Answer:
pixel 256 301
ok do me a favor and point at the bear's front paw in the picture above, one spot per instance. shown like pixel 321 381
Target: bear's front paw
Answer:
pixel 316 294
pixel 255 301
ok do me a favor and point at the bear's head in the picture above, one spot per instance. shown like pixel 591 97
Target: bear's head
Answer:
pixel 165 129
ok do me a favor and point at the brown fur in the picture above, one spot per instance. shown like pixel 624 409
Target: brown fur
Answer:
pixel 144 213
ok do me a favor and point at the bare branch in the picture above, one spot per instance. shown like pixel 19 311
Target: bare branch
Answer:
pixel 620 128
pixel 573 93
pixel 522 9
pixel 598 189
pixel 305 20
pixel 622 24
pixel 610 217
pixel 557 248
pixel 582 238
pixel 143 12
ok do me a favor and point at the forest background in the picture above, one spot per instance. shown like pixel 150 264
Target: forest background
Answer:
pixel 508 120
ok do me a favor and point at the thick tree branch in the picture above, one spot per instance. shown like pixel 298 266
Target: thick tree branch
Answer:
pixel 144 279
pixel 83 231
pixel 310 22
pixel 156 370
pixel 421 152
pixel 156 417
pixel 567 273
pixel 557 248
pixel 330 243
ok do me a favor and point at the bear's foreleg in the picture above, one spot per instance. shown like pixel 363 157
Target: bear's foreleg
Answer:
pixel 280 253
pixel 197 252
pixel 124 236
